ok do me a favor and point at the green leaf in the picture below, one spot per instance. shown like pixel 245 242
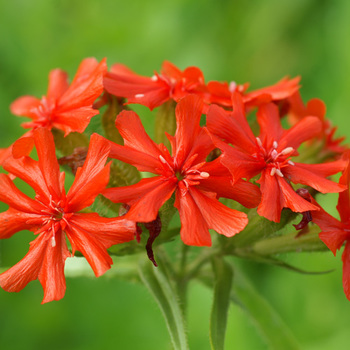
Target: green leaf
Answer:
pixel 222 288
pixel 272 328
pixel 66 145
pixel 165 122
pixel 115 106
pixel 158 283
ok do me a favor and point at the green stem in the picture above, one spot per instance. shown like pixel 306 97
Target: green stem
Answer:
pixel 290 243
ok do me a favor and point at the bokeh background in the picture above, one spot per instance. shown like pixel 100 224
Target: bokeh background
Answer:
pixel 245 41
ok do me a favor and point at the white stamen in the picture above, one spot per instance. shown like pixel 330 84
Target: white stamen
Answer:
pixel 232 86
pixel 290 162
pixel 273 171
pixel 154 78
pixel 287 150
pixel 53 241
pixel 161 158
pixel 240 88
pixel 204 174
pixel 274 154
pixel 279 173
pixel 139 95
pixel 259 141
pixel 275 144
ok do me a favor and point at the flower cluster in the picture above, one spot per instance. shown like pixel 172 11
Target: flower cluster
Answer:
pixel 232 151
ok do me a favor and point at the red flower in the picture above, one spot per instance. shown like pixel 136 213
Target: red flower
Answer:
pixel 65 107
pixel 270 155
pixel 54 214
pixel 171 83
pixel 296 110
pixel 174 84
pixel 221 93
pixel 185 172
pixel 334 232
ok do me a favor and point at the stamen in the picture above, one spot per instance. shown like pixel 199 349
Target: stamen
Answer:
pixel 162 159
pixel 154 78
pixel 204 174
pixel 279 173
pixel 287 150
pixel 291 163
pixel 139 95
pixel 273 171
pixel 232 86
pixel 53 241
pixel 240 88
pixel 274 154
pixel 259 141
pixel 275 144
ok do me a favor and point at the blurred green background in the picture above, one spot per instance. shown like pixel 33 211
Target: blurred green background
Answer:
pixel 254 41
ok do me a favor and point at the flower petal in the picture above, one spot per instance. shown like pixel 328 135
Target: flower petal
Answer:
pixel 92 178
pixel 51 275
pixel 346 270
pixel 272 201
pixel 86 86
pixel 58 84
pixel 278 194
pixel 232 127
pixel 130 194
pixel 123 82
pixel 202 146
pixel 281 90
pixel 188 113
pixel 42 261
pixel 304 130
pixel 48 163
pixel 218 217
pixel 82 195
pixel 28 170
pixel 16 199
pixel 270 124
pixel 240 164
pixel 139 159
pixel 89 245
pixel 24 105
pixel 146 208
pixel 194 229
pixel 12 221
pixel 220 182
pixel 108 231
pixel 343 206
pixel 75 120
pixel 313 175
pixel 134 134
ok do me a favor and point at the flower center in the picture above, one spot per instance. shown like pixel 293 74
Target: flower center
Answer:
pixel 55 218
pixel 275 160
pixel 188 175
pixel 43 113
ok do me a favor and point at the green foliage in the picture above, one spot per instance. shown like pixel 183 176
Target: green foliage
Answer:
pixel 222 288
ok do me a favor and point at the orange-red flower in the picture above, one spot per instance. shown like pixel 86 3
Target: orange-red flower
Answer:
pixel 196 183
pixel 53 214
pixel 65 107
pixel 334 232
pixel 270 154
pixel 171 83
pixel 296 110
pixel 221 92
